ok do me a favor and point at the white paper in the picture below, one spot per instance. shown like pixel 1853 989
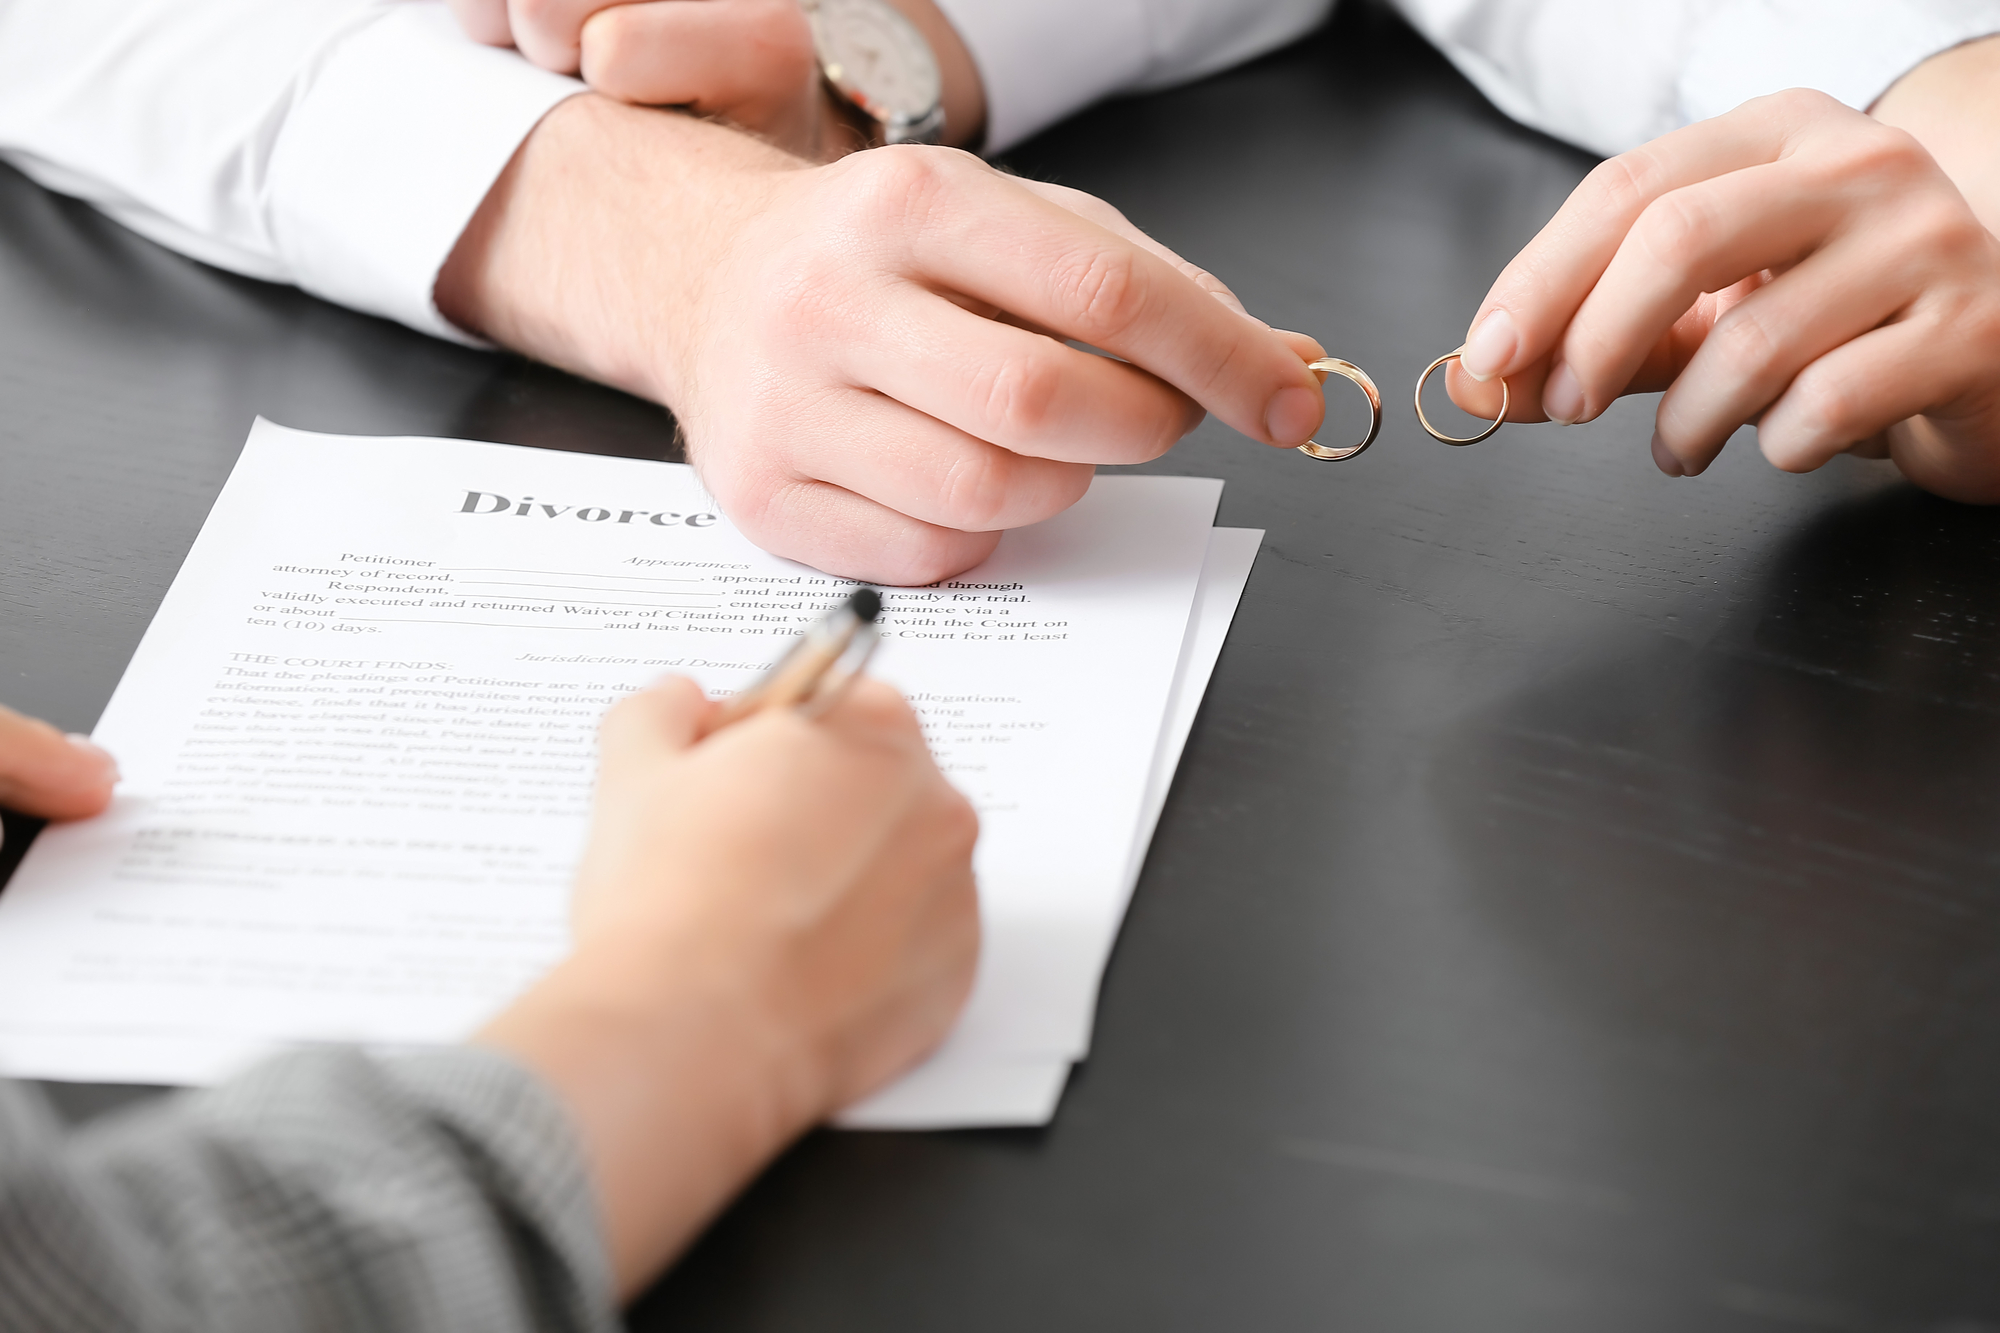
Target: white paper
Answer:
pixel 960 1087
pixel 357 743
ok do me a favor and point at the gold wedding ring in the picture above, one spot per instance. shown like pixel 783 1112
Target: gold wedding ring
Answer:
pixel 1439 435
pixel 1348 370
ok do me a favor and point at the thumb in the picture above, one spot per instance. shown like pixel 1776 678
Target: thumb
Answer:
pixel 45 773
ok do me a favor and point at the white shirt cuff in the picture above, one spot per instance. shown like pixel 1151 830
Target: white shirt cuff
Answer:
pixel 1851 50
pixel 396 137
pixel 1041 60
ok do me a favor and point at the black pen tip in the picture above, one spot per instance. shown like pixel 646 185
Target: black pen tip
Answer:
pixel 865 603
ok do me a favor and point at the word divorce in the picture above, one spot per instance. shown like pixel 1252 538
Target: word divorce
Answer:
pixel 485 502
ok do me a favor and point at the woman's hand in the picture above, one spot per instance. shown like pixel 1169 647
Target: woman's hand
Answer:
pixel 771 922
pixel 828 859
pixel 1794 264
pixel 50 775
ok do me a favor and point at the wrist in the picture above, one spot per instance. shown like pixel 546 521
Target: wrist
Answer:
pixel 1951 105
pixel 679 1088
pixel 963 91
pixel 599 239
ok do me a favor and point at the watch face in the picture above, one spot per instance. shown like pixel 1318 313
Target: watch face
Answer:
pixel 875 56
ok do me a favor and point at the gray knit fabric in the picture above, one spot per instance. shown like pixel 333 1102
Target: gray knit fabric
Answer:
pixel 324 1190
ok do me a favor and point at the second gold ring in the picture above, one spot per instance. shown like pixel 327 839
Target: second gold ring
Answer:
pixel 1439 435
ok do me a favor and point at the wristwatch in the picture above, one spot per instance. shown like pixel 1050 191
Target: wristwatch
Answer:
pixel 875 60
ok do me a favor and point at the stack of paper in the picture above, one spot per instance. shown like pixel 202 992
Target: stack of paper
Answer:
pixel 358 747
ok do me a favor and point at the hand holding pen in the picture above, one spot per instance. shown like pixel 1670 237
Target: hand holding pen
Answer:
pixel 819 666
pixel 771 919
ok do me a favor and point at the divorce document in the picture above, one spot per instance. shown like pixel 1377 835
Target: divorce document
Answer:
pixel 358 743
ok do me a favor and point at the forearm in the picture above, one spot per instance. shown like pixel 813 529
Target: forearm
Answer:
pixel 587 251
pixel 678 1097
pixel 336 144
pixel 324 1190
pixel 1951 103
pixel 770 922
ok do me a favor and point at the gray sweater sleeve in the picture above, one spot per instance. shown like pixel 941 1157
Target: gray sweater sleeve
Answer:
pixel 324 1190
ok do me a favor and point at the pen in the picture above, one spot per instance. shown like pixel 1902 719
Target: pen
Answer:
pixel 817 668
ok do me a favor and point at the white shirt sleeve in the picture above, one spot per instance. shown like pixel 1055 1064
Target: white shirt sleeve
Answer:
pixel 341 145
pixel 1041 60
pixel 1612 76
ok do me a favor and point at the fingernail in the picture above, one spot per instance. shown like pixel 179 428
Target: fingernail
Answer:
pixel 1664 460
pixel 96 753
pixel 1293 414
pixel 1562 396
pixel 1491 346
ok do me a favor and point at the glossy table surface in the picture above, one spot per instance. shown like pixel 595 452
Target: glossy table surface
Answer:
pixel 1579 905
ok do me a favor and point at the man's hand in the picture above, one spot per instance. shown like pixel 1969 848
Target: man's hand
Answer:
pixel 770 923
pixel 868 357
pixel 1795 264
pixel 50 775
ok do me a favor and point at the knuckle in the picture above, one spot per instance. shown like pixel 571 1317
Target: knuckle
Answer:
pixel 1794 105
pixel 1950 231
pixel 1824 407
pixel 1677 230
pixel 898 189
pixel 765 504
pixel 1203 279
pixel 1879 155
pixel 976 489
pixel 1624 185
pixel 1095 210
pixel 1101 289
pixel 1018 394
pixel 1744 340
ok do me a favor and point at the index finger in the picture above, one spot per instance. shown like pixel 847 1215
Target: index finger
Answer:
pixel 48 774
pixel 985 236
pixel 1304 346
pixel 1530 305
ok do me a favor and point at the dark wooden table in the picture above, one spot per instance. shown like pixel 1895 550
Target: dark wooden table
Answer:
pixel 1579 907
